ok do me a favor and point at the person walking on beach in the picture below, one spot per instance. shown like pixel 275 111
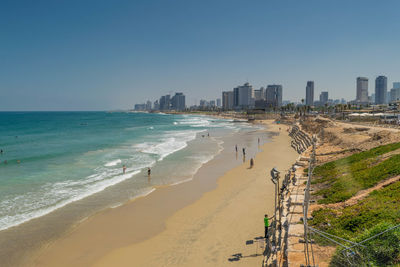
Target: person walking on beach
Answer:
pixel 123 168
pixel 244 152
pixel 259 141
pixel 148 172
pixel 236 148
pixel 251 163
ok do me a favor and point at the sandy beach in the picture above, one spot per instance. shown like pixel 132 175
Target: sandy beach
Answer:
pixel 181 225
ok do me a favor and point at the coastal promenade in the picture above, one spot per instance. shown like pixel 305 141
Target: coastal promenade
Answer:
pixel 336 140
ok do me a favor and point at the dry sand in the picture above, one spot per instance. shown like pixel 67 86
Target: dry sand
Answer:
pixel 206 232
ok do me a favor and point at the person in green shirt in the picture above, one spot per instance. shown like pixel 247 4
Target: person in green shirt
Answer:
pixel 266 224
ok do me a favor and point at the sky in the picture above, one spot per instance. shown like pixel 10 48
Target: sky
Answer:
pixel 107 55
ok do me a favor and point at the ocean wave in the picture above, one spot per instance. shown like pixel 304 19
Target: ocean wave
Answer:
pixel 54 196
pixel 50 196
pixel 172 142
pixel 113 163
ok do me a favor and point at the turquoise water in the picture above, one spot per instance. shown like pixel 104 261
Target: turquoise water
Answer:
pixel 55 158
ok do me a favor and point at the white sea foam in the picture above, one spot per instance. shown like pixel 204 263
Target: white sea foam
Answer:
pixel 55 196
pixel 172 141
pixel 195 122
pixel 112 163
pixel 146 193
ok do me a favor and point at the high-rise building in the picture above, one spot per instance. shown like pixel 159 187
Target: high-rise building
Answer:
pixel 371 98
pixel 219 102
pixel 259 94
pixel 204 103
pixel 310 93
pixel 148 105
pixel 394 95
pixel 243 96
pixel 236 97
pixel 362 90
pixel 227 100
pixel 395 92
pixel 165 102
pixel 156 105
pixel 212 103
pixel 178 102
pixel 380 90
pixel 273 95
pixel 323 98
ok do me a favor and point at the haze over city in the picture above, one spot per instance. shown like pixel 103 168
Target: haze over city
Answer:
pixel 102 55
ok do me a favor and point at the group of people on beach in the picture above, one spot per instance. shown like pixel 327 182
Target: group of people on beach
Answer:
pixel 148 170
pixel 244 154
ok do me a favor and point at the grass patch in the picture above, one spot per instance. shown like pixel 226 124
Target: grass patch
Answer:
pixel 377 212
pixel 357 161
pixel 345 177
pixel 379 206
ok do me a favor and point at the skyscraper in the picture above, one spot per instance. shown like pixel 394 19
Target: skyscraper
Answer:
pixel 227 100
pixel 156 105
pixel 310 93
pixel 148 105
pixel 380 90
pixel 178 102
pixel 395 92
pixel 259 94
pixel 362 90
pixel 165 102
pixel 273 95
pixel 236 97
pixel 243 96
pixel 323 98
pixel 219 102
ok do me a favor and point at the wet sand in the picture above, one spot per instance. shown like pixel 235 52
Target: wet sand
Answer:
pixel 197 223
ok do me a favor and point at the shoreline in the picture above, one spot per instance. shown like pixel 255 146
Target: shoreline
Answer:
pixel 18 243
pixel 108 232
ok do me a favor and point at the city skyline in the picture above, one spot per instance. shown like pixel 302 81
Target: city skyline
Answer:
pixel 103 56
pixel 247 97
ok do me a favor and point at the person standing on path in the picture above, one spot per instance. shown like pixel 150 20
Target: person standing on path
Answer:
pixel 266 225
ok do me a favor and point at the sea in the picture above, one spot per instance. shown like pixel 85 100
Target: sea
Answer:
pixel 50 160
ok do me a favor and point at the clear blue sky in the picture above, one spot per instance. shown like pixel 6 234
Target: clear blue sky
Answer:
pixel 101 55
